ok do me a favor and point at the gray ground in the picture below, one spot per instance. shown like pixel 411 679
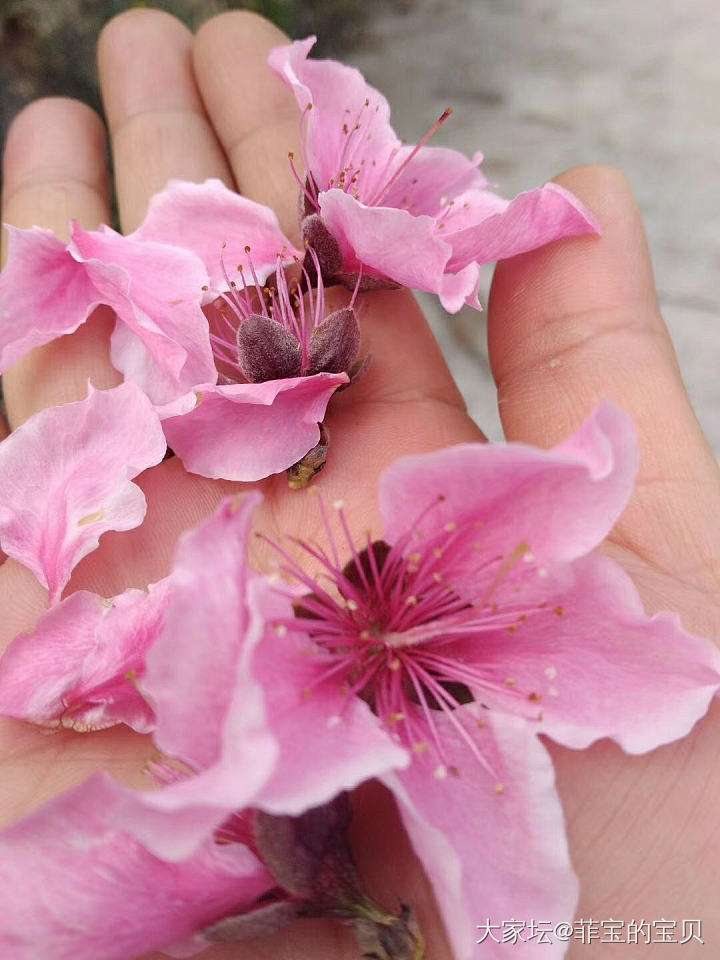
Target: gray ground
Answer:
pixel 540 85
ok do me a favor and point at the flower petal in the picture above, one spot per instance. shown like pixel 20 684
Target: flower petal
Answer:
pixel 531 220
pixel 491 840
pixel 44 293
pixel 596 666
pixel 348 116
pixel 391 242
pixel 503 505
pixel 458 289
pixel 65 476
pixel 247 431
pixel 191 683
pixel 161 339
pixel 209 709
pixel 78 666
pixel 74 887
pixel 217 224
pixel 328 742
pixel 434 178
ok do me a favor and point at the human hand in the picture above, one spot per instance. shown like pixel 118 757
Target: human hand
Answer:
pixel 178 109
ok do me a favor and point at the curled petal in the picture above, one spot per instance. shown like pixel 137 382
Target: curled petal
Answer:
pixel 247 431
pixel 66 479
pixel 102 895
pixel 79 666
pixel 531 220
pixel 161 339
pixel 44 293
pixel 437 182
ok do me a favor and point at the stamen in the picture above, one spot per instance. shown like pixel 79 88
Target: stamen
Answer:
pixel 413 153
pixel 302 183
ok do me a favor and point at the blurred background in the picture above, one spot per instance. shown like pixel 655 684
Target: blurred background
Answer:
pixel 537 85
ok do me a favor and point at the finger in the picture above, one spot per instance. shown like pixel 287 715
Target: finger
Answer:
pixel 577 321
pixel 252 110
pixel 54 170
pixel 158 127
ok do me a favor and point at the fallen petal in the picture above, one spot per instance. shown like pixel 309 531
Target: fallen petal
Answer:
pixel 66 479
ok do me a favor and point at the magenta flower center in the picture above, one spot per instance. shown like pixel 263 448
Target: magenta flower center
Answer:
pixel 281 301
pixel 388 617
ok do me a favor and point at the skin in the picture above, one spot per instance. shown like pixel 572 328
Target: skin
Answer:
pixel 568 325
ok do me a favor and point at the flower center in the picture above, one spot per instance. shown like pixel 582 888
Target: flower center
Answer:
pixel 390 622
pixel 358 170
pixel 280 330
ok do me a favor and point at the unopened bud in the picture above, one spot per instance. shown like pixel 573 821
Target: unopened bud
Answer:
pixel 267 350
pixel 327 250
pixel 335 343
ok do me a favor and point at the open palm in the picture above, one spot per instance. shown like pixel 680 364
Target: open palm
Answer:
pixel 568 325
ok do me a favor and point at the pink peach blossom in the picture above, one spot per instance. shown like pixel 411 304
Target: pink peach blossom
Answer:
pixel 280 361
pixel 161 281
pixel 418 216
pixel 217 711
pixel 108 872
pixel 481 620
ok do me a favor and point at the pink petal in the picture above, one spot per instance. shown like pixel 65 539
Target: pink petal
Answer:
pixel 531 220
pixel 65 476
pixel 437 181
pixel 75 887
pixel 514 511
pixel 193 684
pixel 78 666
pixel 224 706
pixel 490 834
pixel 209 709
pixel 458 289
pixel 44 293
pixel 597 666
pixel 217 224
pixel 247 431
pixel 340 99
pixel 391 242
pixel 327 741
pixel 161 339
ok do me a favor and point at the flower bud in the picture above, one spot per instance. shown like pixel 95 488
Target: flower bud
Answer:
pixel 327 250
pixel 335 343
pixel 267 350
